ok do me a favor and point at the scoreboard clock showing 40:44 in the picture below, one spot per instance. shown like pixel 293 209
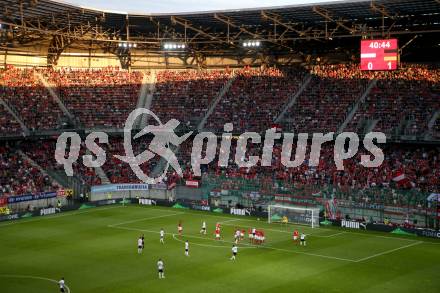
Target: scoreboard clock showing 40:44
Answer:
pixel 379 54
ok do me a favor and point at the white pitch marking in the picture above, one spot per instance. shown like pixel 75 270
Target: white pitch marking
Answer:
pixel 231 220
pixel 254 246
pixel 206 245
pixel 144 219
pixel 133 229
pixel 332 235
pixel 389 251
pixel 35 278
pixel 282 231
pixel 56 216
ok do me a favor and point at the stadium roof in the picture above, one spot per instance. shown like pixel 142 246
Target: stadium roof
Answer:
pixel 182 6
pixel 280 29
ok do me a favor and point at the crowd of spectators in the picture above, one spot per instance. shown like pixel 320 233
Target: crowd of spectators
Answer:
pixel 43 153
pixel 420 167
pixel 18 176
pixel 8 124
pixel 255 98
pixel 120 172
pixel 401 102
pixel 22 89
pixel 404 99
pixel 186 95
pixel 98 98
pixel 324 104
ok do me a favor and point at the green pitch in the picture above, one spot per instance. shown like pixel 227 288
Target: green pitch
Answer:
pixel 96 251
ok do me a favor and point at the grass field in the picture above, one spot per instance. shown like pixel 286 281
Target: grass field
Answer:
pixel 95 250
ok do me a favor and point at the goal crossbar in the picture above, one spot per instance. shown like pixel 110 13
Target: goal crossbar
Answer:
pixel 293 214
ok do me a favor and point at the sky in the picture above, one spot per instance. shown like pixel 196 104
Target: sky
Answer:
pixel 174 6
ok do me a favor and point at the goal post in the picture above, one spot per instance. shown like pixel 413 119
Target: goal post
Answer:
pixel 293 214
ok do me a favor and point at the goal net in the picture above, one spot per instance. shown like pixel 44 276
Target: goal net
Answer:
pixel 292 214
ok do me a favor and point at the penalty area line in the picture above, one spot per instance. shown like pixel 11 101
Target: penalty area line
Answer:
pixel 35 278
pixel 206 245
pixel 245 244
pixel 389 251
pixel 144 219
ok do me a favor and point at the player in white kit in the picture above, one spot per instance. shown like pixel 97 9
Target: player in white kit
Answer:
pixel 140 245
pixel 303 239
pixel 203 230
pixel 234 252
pixel 237 236
pixel 62 284
pixel 186 248
pixel 162 236
pixel 160 269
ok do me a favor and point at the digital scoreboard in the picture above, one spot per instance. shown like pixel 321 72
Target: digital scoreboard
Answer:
pixel 379 54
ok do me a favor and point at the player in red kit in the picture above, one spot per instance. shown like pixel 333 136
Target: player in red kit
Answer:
pixel 217 233
pixel 295 235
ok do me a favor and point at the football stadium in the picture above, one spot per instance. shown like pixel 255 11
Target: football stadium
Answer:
pixel 205 146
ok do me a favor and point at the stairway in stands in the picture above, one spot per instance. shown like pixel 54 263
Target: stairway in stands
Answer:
pixel 215 102
pixel 355 107
pixel 14 114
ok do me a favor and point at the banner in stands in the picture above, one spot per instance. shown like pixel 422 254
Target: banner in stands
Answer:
pixel 240 212
pixel 9 217
pixel 47 211
pixel 4 211
pixel 201 207
pixel 428 233
pixel 65 192
pixel 297 200
pixel 353 224
pixel 29 197
pixel 3 201
pixel 404 231
pixel 342 203
pixel 118 187
pixel 161 186
pixel 192 183
pixel 433 197
pixel 147 201
pixel 215 194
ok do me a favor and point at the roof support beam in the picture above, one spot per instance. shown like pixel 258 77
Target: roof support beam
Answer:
pixel 187 25
pixel 327 15
pixel 375 7
pixel 231 23
pixel 278 20
pixel 60 42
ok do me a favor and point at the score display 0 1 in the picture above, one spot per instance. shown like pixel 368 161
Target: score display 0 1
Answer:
pixel 379 54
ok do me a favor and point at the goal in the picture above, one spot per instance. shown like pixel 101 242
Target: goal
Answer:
pixel 296 215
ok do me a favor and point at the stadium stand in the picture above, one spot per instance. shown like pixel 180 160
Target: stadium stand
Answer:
pixel 185 95
pixel 43 153
pixel 256 98
pixel 8 124
pixel 22 89
pixel 18 176
pixel 99 98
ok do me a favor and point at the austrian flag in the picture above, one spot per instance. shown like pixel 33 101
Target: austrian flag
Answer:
pixel 401 180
